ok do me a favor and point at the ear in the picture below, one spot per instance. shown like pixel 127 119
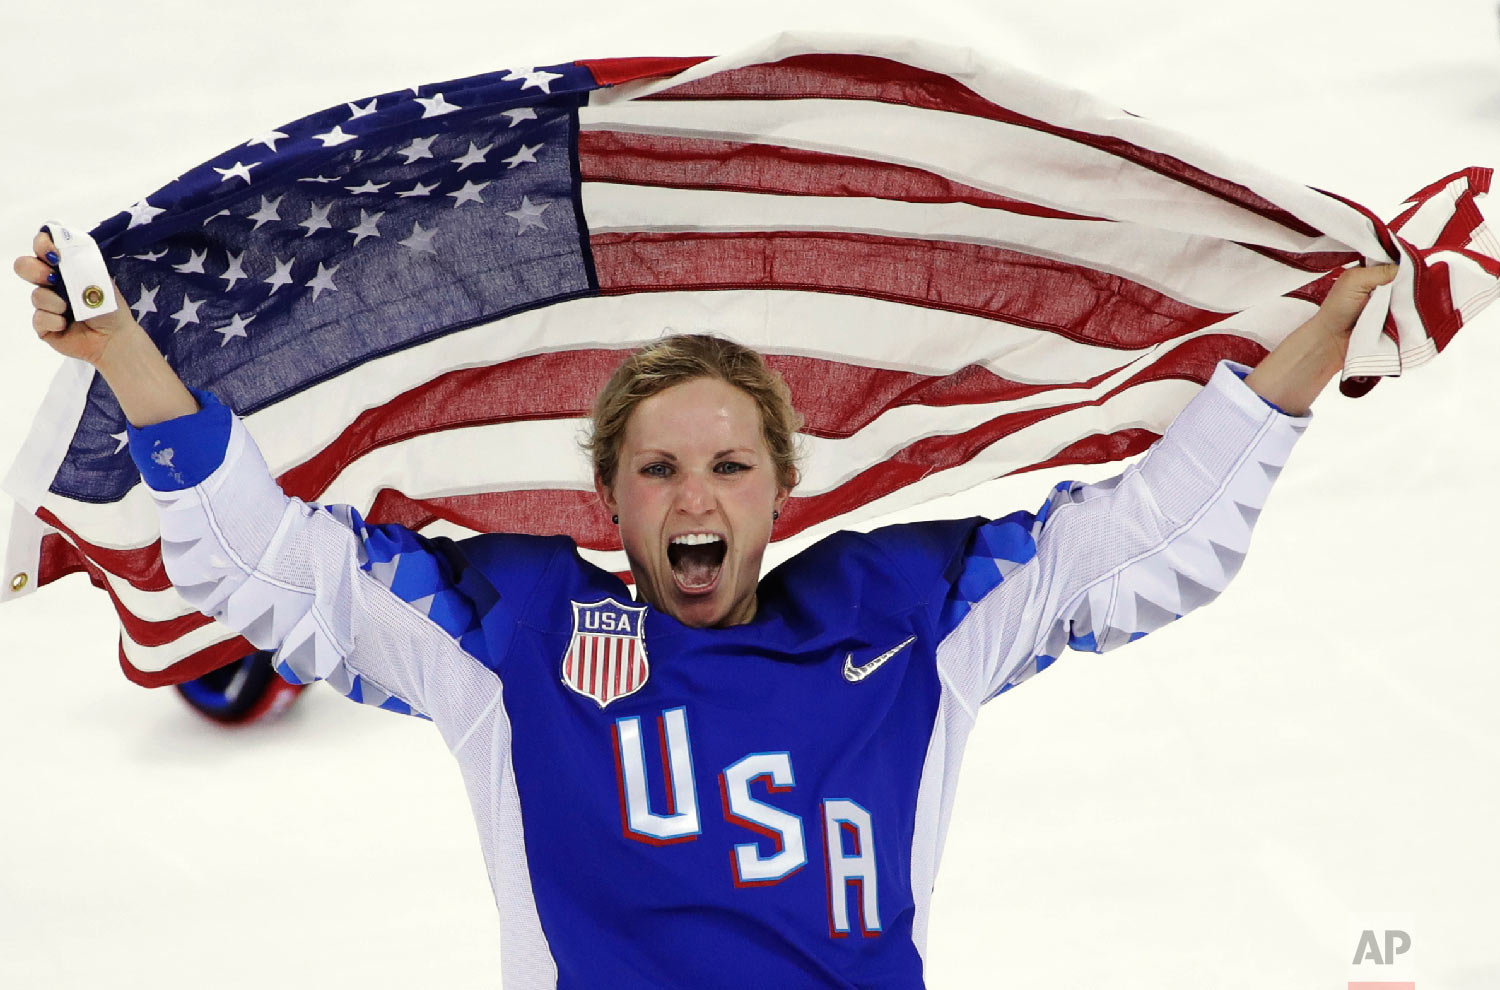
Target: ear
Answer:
pixel 606 495
pixel 783 493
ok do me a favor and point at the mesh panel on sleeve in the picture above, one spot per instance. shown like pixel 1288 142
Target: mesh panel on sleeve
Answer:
pixel 960 666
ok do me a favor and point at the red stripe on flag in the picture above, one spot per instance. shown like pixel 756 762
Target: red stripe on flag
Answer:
pixel 1316 262
pixel 695 163
pixel 613 71
pixel 867 77
pixel 835 398
pixel 553 511
pixel 141 566
pixel 193 665
pixel 58 558
pixel 1079 303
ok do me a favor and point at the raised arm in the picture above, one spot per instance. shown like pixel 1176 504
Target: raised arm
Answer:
pixel 387 617
pixel 147 388
pixel 1100 565
pixel 1294 373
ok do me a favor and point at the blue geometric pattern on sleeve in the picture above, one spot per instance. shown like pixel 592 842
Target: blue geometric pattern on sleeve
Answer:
pixel 998 548
pixel 420 573
pixel 420 576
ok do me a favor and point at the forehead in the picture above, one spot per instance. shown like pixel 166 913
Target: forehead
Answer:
pixel 703 413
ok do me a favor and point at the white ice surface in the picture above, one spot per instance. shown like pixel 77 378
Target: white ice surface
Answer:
pixel 1206 808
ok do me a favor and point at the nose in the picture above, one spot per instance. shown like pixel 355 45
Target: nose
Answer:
pixel 694 494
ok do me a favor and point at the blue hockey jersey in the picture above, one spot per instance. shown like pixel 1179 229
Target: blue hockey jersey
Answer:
pixel 754 806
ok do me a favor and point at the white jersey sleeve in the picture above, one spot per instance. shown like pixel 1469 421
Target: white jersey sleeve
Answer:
pixel 377 611
pixel 1101 565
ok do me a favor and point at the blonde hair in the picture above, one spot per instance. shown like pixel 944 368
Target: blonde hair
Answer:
pixel 684 357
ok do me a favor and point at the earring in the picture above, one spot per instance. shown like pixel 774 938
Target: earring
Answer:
pixel 615 520
pixel 775 515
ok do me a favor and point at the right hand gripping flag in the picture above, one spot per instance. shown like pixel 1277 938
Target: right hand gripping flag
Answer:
pixel 962 270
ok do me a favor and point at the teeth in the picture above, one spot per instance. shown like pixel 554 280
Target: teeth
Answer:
pixel 695 539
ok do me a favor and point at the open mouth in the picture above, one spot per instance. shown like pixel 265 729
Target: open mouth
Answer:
pixel 696 561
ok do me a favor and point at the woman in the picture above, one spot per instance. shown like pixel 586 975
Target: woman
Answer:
pixel 826 706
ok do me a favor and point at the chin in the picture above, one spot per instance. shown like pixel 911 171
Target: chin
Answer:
pixel 700 613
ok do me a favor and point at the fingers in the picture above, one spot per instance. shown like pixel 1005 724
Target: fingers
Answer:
pixel 44 323
pixel 33 270
pixel 37 269
pixel 1367 278
pixel 48 301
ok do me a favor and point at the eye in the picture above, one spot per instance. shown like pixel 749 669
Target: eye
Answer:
pixel 657 469
pixel 731 467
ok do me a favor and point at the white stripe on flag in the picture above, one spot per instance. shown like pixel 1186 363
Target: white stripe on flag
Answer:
pixel 1209 273
pixel 1018 90
pixel 1012 160
pixel 154 658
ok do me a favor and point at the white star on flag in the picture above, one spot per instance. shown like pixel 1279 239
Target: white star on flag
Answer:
pixel 317 219
pixel 528 215
pixel 234 328
pixel 534 77
pixel 318 178
pixel 282 275
pixel 519 114
pixel 221 213
pixel 468 194
pixel 141 212
pixel 420 240
pixel 365 229
pixel 188 313
pixel 234 272
pixel 418 190
pixel 150 256
pixel 370 186
pixel 419 148
pixel 268 139
pixel 146 303
pixel 237 170
pixel 267 212
pixel 122 439
pixel 435 106
pixel 334 137
pixel 194 264
pixel 323 280
pixel 355 110
pixel 526 154
pixel 474 156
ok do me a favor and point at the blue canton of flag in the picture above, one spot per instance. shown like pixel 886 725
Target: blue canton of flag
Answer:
pixel 352 233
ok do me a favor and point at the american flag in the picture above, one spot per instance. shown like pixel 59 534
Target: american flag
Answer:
pixel 962 270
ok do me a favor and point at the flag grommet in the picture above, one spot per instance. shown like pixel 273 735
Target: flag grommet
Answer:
pixel 19 581
pixel 93 297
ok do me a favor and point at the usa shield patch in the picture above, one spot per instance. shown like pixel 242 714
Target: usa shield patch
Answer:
pixel 606 658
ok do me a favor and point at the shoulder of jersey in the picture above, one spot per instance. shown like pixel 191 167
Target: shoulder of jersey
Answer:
pixel 908 560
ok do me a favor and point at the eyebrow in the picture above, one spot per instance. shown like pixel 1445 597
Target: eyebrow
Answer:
pixel 653 452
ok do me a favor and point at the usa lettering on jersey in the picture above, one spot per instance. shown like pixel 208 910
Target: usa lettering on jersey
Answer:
pixel 779 846
pixel 606 655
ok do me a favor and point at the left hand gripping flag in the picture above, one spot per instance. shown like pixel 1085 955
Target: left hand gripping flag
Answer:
pixel 962 270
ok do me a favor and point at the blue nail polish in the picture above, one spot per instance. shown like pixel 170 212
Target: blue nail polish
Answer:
pixel 52 257
pixel 52 277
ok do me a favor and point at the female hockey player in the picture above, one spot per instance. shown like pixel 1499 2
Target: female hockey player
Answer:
pixel 805 730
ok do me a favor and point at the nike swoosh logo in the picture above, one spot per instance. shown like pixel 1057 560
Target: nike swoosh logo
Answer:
pixel 854 674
